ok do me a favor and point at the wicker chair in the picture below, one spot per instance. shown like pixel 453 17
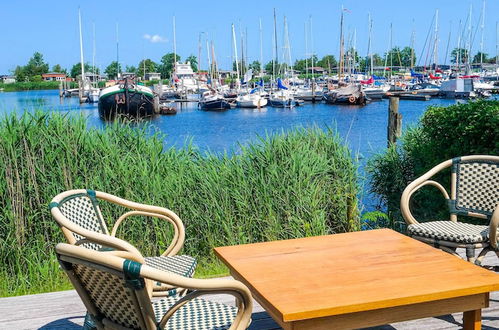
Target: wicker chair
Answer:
pixel 115 287
pixel 474 193
pixel 78 214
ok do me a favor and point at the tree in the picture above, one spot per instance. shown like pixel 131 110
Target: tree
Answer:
pixel 460 54
pixel 36 66
pixel 194 62
pixel 76 69
pixel 405 56
pixel 166 66
pixel 58 68
pixel 481 58
pixel 269 67
pixel 20 73
pixel 255 66
pixel 327 62
pixel 146 66
pixel 112 70
pixel 131 69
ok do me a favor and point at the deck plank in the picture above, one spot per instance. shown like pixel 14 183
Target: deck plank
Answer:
pixel 64 310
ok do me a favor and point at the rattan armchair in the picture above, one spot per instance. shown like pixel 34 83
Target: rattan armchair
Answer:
pixel 78 214
pixel 115 287
pixel 474 192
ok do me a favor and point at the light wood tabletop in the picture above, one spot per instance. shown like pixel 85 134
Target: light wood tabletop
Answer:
pixel 358 279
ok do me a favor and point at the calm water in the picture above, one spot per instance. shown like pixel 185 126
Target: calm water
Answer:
pixel 363 128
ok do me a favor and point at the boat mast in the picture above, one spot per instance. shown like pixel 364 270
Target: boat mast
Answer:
pixel 117 53
pixel 174 46
pixel 93 50
pixel 306 50
pixel 369 53
pixel 261 49
pixel 341 46
pixel 458 55
pixel 469 41
pixel 391 47
pixel 448 43
pixel 81 49
pixel 413 39
pixel 210 72
pixel 199 52
pixel 312 46
pixel 482 27
pixel 497 43
pixel 235 53
pixel 435 45
pixel 275 64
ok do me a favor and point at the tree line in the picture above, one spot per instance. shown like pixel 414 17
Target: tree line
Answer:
pixel 402 57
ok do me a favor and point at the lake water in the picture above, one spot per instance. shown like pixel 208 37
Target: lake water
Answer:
pixel 362 128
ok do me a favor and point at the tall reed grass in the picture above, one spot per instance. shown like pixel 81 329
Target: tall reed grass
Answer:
pixel 293 184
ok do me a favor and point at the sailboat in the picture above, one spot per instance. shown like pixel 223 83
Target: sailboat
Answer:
pixel 282 98
pixel 87 93
pixel 213 99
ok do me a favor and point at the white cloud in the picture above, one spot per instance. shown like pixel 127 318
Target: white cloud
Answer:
pixel 155 38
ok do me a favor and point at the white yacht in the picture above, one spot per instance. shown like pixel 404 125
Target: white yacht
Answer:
pixel 251 100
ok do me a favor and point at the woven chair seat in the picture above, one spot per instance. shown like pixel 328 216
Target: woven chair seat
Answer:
pixel 457 232
pixel 197 314
pixel 183 265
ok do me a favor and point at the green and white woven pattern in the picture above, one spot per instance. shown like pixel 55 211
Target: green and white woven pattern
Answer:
pixel 458 232
pixel 81 211
pixel 197 314
pixel 181 265
pixel 478 187
pixel 110 296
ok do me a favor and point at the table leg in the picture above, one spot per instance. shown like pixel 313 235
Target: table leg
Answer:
pixel 472 320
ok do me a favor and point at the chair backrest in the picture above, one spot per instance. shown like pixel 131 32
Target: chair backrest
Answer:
pixel 81 207
pixel 476 181
pixel 111 287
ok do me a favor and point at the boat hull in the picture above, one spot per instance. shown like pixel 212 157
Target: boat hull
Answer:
pixel 219 104
pixel 252 103
pixel 130 104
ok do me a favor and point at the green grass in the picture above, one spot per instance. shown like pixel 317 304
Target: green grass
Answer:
pixel 32 85
pixel 294 184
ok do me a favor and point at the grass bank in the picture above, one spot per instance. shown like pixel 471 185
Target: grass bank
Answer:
pixel 28 86
pixel 294 184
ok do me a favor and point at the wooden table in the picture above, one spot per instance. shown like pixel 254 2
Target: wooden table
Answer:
pixel 358 279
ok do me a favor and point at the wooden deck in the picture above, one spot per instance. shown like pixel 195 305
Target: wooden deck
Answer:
pixel 64 310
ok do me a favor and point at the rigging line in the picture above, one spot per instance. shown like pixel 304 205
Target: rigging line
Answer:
pixel 426 40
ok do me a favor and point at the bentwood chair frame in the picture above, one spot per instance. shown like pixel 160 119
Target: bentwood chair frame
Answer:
pixel 115 287
pixel 474 192
pixel 78 214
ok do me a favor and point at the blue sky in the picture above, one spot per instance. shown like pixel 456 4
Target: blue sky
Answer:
pixel 145 28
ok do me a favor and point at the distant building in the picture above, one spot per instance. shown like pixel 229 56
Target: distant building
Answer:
pixel 94 77
pixel 153 76
pixel 316 69
pixel 54 76
pixel 124 75
pixel 226 73
pixel 7 79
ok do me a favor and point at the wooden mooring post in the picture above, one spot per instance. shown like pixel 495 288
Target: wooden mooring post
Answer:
pixel 394 121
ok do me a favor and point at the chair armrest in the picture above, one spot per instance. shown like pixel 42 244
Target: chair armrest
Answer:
pixel 409 191
pixel 244 305
pixel 175 245
pixel 202 287
pixel 494 222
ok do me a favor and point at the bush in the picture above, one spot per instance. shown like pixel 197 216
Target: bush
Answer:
pixel 442 133
pixel 289 185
